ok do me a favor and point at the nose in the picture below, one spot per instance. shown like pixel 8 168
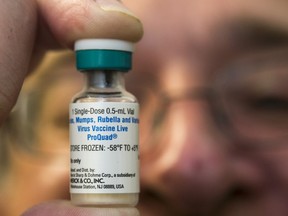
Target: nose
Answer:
pixel 189 166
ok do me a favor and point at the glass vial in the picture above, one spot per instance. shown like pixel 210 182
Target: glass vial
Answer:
pixel 104 127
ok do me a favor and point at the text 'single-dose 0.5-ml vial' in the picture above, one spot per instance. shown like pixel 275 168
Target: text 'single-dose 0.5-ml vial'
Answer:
pixel 104 127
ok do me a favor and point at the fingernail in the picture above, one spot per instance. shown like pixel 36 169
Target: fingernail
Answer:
pixel 114 5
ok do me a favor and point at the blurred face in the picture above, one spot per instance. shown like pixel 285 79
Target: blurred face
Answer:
pixel 213 109
pixel 216 70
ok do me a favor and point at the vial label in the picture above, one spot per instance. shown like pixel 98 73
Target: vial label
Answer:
pixel 104 147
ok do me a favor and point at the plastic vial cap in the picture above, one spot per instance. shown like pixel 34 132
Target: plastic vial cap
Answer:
pixel 103 54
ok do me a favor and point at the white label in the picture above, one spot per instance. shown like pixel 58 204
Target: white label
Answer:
pixel 104 147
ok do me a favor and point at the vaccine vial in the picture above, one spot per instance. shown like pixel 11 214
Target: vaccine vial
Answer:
pixel 104 127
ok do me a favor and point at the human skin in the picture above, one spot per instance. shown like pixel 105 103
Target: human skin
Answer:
pixel 40 173
pixel 29 28
pixel 193 168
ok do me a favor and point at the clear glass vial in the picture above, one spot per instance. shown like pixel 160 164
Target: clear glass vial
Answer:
pixel 104 127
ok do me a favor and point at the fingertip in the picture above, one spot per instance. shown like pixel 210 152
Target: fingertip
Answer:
pixel 73 20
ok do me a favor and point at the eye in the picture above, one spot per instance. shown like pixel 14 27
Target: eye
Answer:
pixel 254 100
pixel 61 121
pixel 270 110
pixel 258 93
pixel 269 104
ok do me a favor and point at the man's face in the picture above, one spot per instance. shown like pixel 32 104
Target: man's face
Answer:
pixel 200 154
pixel 194 161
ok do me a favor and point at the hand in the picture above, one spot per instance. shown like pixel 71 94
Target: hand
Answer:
pixel 63 208
pixel 30 27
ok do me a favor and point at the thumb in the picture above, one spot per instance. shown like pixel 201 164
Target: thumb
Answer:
pixel 64 208
pixel 69 20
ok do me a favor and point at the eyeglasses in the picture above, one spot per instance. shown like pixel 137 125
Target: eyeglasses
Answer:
pixel 248 101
